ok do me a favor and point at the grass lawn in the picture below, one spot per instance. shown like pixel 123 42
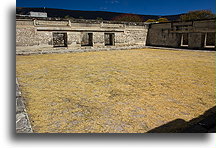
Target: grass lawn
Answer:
pixel 115 91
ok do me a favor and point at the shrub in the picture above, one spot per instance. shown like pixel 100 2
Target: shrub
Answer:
pixel 163 20
pixel 197 14
pixel 151 20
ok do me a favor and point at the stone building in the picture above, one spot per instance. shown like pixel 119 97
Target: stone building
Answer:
pixel 45 35
pixel 37 14
pixel 39 35
pixel 198 34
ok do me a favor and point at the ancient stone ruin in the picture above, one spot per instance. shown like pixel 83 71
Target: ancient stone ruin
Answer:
pixel 50 35
pixel 45 35
pixel 198 34
pixel 40 35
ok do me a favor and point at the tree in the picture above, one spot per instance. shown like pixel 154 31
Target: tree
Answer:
pixel 197 14
pixel 128 18
pixel 68 17
pixel 99 18
pixel 151 20
pixel 163 20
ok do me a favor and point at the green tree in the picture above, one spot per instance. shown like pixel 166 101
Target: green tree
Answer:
pixel 163 20
pixel 197 14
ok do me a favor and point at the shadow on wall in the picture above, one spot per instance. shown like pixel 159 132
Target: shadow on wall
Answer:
pixel 205 123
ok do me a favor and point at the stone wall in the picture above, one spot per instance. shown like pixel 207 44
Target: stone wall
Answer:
pixel 170 34
pixel 160 35
pixel 195 40
pixel 74 39
pixel 98 39
pixel 25 33
pixel 50 23
pixel 22 119
pixel 37 35
pixel 136 37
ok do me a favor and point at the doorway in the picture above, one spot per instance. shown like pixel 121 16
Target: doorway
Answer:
pixel 109 39
pixel 59 39
pixel 184 40
pixel 87 39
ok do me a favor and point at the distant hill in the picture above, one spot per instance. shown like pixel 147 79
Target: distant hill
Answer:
pixel 87 14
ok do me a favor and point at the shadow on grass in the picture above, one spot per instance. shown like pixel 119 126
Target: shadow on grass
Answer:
pixel 205 123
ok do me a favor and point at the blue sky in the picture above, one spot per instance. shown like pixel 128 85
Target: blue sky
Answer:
pixel 148 7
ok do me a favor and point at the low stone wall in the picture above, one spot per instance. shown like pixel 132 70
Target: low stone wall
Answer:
pixel 22 120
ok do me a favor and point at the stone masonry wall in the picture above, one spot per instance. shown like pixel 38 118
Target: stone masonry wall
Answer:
pixel 136 37
pixel 37 35
pixel 74 39
pixel 44 38
pixel 170 34
pixel 25 33
pixel 161 36
pixel 98 39
pixel 195 41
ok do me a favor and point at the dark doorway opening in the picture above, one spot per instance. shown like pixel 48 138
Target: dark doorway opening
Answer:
pixel 109 39
pixel 87 39
pixel 59 39
pixel 184 40
pixel 209 40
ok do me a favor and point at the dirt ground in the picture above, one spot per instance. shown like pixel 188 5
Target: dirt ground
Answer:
pixel 124 91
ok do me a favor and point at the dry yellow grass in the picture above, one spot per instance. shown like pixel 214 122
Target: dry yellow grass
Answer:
pixel 115 91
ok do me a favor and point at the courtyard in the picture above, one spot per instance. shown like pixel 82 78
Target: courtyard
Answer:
pixel 122 91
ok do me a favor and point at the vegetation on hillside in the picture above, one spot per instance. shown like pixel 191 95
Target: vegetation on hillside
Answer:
pixel 197 14
pixel 163 20
pixel 99 18
pixel 159 20
pixel 68 17
pixel 151 20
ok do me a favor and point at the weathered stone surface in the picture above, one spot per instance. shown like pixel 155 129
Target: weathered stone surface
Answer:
pixel 22 121
pixel 170 34
pixel 37 36
pixel 20 107
pixel 25 130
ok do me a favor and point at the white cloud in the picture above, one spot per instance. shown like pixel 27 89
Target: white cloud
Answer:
pixel 103 8
pixel 112 2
